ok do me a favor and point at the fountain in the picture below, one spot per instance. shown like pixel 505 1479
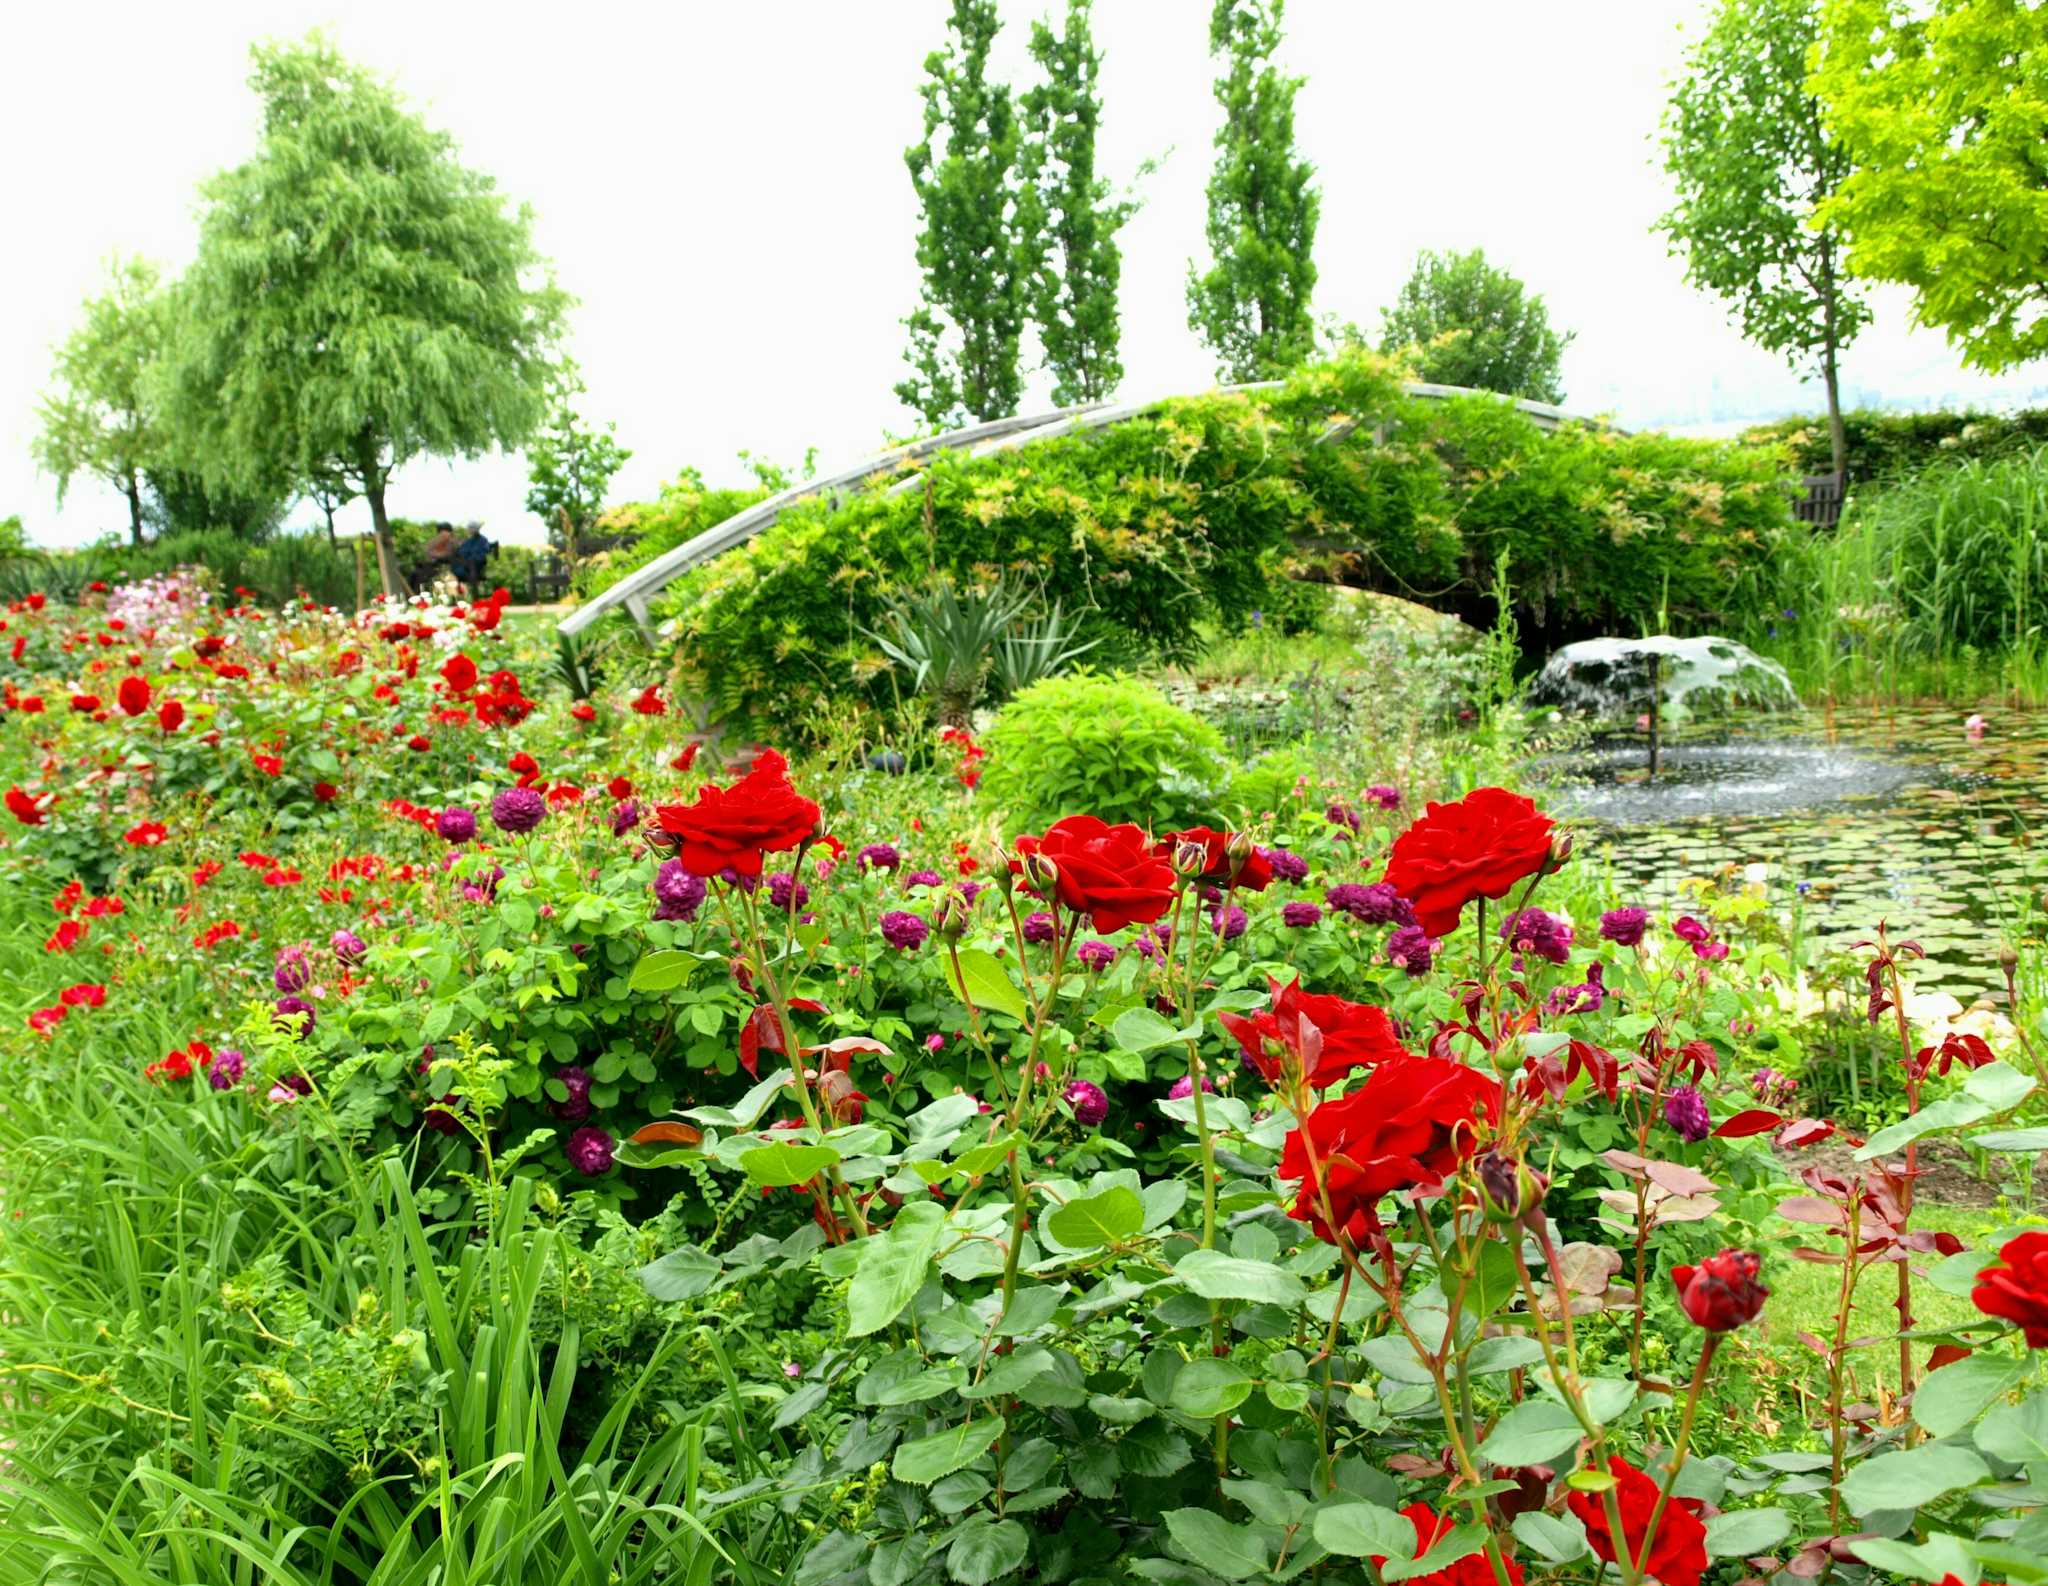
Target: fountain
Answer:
pixel 1673 735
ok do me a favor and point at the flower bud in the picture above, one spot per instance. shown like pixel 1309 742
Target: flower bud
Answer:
pixel 2007 958
pixel 1560 849
pixel 1238 851
pixel 1190 859
pixel 1509 1191
pixel 950 918
pixel 1042 873
pixel 995 864
pixel 1722 1292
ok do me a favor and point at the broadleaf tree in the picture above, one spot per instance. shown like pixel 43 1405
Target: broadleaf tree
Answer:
pixel 570 464
pixel 360 297
pixel 1251 305
pixel 1943 110
pixel 101 416
pixel 975 249
pixel 1077 265
pixel 1466 322
pixel 1753 163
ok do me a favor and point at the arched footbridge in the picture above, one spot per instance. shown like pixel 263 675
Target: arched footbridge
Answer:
pixel 977 440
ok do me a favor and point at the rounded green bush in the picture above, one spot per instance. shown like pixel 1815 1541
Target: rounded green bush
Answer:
pixel 1268 783
pixel 1085 744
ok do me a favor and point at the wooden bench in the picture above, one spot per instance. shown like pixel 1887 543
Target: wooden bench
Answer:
pixel 1820 502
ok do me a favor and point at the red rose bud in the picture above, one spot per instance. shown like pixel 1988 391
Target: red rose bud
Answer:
pixel 1560 849
pixel 1509 1190
pixel 1190 859
pixel 1238 851
pixel 1042 873
pixel 1722 1292
pixel 949 919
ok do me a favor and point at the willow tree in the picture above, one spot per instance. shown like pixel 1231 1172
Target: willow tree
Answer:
pixel 100 416
pixel 1252 304
pixel 1754 163
pixel 360 298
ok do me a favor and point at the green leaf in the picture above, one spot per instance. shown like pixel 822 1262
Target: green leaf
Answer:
pixel 2000 1086
pixel 664 969
pixel 1209 1387
pixel 986 1549
pixel 781 1166
pixel 1951 1398
pixel 1939 1557
pixel 1532 1433
pixel 1957 1274
pixel 987 985
pixel 1235 1552
pixel 893 1267
pixel 1216 1276
pixel 1742 1533
pixel 1091 1220
pixel 1141 1029
pixel 1505 1353
pixel 1559 1538
pixel 924 1460
pixel 1364 1530
pixel 2014 1432
pixel 1911 1477
pixel 682 1274
pixel 2028 1140
pixel 1460 1542
pixel 1496 1281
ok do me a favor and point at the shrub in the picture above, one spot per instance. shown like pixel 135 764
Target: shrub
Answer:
pixel 1107 746
pixel 1268 783
pixel 1890 446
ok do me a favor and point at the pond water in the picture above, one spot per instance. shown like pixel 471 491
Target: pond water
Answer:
pixel 1898 816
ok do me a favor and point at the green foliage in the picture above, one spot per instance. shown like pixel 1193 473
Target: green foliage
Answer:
pixel 1886 447
pixel 184 501
pixel 975 250
pixel 1077 262
pixel 1251 305
pixel 1942 111
pixel 570 465
pixel 102 418
pixel 1107 746
pixel 1465 322
pixel 959 646
pixel 686 508
pixel 1200 510
pixel 1269 783
pixel 1753 162
pixel 360 297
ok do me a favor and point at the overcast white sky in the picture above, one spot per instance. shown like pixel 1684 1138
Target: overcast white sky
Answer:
pixel 722 186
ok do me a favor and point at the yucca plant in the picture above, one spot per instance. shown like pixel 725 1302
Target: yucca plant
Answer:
pixel 958 646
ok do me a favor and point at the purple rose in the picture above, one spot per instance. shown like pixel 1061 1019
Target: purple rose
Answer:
pixel 1540 932
pixel 1624 927
pixel 625 817
pixel 677 893
pixel 1685 1109
pixel 1587 997
pixel 349 949
pixel 1284 865
pixel 1375 903
pixel 226 1069
pixel 456 824
pixel 1089 1101
pixel 1038 926
pixel 924 878
pixel 1184 1087
pixel 518 809
pixel 785 892
pixel 903 929
pixel 1095 955
pixel 1300 915
pixel 1413 948
pixel 878 856
pixel 1341 814
pixel 1688 929
pixel 287 1007
pixel 589 1151
pixel 1229 921
pixel 576 1106
pixel 293 972
pixel 1387 798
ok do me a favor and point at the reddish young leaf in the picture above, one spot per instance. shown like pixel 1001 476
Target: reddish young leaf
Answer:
pixel 666 1134
pixel 1753 1120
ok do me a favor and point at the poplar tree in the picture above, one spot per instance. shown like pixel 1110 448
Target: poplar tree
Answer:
pixel 1077 265
pixel 360 297
pixel 975 250
pixel 1252 304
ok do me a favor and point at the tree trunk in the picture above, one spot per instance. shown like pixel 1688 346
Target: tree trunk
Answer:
pixel 1831 372
pixel 332 538
pixel 387 557
pixel 134 494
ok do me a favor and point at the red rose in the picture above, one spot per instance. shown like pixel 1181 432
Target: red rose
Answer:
pixel 583 710
pixel 731 828
pixel 1254 875
pixel 26 808
pixel 133 695
pixel 459 673
pixel 170 715
pixel 620 787
pixel 147 835
pixel 1471 1570
pixel 1678 1555
pixel 1722 1292
pixel 326 792
pixel 649 702
pixel 85 704
pixel 419 743
pixel 1326 1036
pixel 2015 1289
pixel 1478 847
pixel 1108 873
pixel 1412 1121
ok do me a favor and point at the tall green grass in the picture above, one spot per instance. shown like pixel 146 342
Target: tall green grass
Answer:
pixel 1936 586
pixel 134 1453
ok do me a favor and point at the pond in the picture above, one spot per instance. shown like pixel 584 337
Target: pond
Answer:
pixel 1896 815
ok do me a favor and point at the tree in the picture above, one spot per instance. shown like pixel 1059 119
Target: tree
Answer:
pixel 1473 324
pixel 1944 113
pixel 1252 303
pixel 101 418
pixel 975 250
pixel 360 297
pixel 1077 264
pixel 569 465
pixel 182 500
pixel 1753 163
